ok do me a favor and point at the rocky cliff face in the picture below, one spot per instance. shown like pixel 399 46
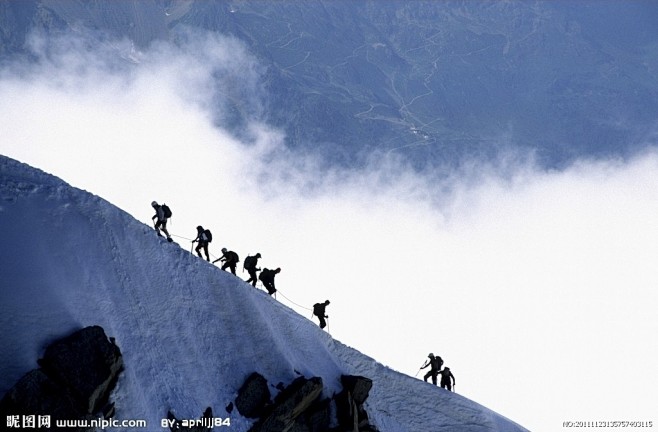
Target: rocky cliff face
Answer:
pixel 300 407
pixel 74 382
pixel 77 374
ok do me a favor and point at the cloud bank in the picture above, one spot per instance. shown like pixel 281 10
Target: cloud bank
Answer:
pixel 537 288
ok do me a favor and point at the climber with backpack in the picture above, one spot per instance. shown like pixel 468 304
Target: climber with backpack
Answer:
pixel 204 237
pixel 435 364
pixel 162 214
pixel 231 259
pixel 267 277
pixel 250 264
pixel 446 375
pixel 319 311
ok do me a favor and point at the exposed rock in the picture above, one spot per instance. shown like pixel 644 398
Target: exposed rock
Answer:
pixel 345 410
pixel 299 408
pixel 75 380
pixel 36 394
pixel 350 412
pixel 358 386
pixel 297 398
pixel 88 363
pixel 253 396
pixel 316 418
pixel 109 410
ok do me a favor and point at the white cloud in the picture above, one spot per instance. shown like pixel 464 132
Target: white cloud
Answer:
pixel 535 287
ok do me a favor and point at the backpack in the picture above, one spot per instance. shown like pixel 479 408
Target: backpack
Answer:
pixel 250 262
pixel 208 235
pixel 236 258
pixel 317 309
pixel 166 211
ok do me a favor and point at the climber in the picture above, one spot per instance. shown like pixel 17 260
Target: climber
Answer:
pixel 231 260
pixel 250 264
pixel 435 364
pixel 204 237
pixel 319 311
pixel 162 213
pixel 446 375
pixel 267 277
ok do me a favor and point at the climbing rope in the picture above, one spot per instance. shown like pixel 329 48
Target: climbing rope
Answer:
pixel 296 304
pixel 181 237
pixel 192 248
pixel 277 292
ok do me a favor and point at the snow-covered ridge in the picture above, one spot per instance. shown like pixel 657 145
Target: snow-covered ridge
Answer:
pixel 189 332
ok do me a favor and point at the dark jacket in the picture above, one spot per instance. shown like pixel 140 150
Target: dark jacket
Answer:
pixel 446 375
pixel 159 214
pixel 267 276
pixel 435 362
pixel 319 309
pixel 201 236
pixel 230 257
pixel 251 262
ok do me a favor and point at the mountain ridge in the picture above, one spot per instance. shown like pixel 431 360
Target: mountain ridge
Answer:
pixel 189 332
pixel 435 82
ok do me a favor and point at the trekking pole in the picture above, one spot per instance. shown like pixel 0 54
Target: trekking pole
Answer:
pixel 420 368
pixel 328 331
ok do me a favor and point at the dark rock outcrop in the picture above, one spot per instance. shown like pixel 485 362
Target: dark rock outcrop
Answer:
pixel 87 362
pixel 357 386
pixel 294 400
pixel 76 377
pixel 37 394
pixel 253 396
pixel 350 411
pixel 316 418
pixel 299 407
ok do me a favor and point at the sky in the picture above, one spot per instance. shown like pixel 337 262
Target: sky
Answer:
pixel 537 288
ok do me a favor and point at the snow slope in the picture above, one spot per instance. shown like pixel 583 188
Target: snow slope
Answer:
pixel 189 332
